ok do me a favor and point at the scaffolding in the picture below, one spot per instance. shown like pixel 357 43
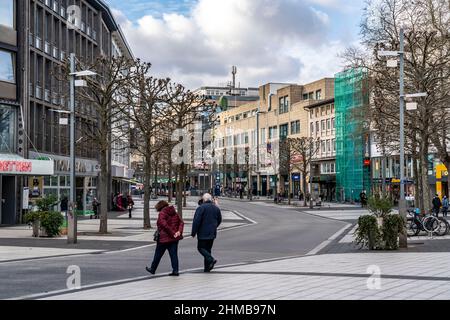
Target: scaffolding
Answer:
pixel 352 143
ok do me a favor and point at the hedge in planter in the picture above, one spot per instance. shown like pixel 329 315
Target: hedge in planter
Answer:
pixel 50 221
pixel 393 225
pixel 368 234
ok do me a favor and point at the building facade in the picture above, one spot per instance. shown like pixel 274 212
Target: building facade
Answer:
pixel 322 129
pixel 281 112
pixel 36 38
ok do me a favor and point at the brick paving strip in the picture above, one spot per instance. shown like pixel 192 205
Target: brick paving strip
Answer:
pixel 403 276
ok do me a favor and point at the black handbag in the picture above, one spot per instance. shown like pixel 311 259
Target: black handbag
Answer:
pixel 156 236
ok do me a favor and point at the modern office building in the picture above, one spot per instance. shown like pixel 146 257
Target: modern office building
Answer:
pixel 36 38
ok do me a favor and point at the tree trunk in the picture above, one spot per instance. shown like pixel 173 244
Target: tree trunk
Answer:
pixel 418 184
pixel 424 176
pixel 289 187
pixel 147 182
pixel 183 185
pixel 179 196
pixel 170 186
pixel 103 190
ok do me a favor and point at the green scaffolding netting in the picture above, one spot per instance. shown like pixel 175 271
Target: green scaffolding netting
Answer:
pixel 351 94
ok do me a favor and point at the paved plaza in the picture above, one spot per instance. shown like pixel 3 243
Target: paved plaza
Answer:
pixel 402 276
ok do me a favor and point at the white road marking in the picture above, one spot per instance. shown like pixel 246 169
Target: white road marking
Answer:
pixel 327 242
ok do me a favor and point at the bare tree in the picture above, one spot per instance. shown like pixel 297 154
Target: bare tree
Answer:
pixel 426 70
pixel 302 152
pixel 184 109
pixel 145 101
pixel 100 104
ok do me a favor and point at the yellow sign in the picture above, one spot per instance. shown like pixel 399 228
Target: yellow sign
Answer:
pixel 441 170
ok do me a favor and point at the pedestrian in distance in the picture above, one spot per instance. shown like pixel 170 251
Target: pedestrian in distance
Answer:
pixel 436 205
pixel 445 206
pixel 130 205
pixel 169 233
pixel 363 198
pixel 207 219
pixel 95 205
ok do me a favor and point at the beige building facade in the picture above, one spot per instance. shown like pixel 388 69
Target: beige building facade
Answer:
pixel 281 112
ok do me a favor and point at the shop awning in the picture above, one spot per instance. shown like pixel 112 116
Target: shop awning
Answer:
pixel 12 164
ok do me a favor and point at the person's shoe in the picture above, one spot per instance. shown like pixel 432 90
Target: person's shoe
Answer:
pixel 211 266
pixel 150 270
pixel 174 274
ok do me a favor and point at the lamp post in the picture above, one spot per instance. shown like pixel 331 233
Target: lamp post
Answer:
pixel 393 63
pixel 72 217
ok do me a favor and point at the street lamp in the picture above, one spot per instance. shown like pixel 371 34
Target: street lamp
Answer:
pixel 390 63
pixel 72 221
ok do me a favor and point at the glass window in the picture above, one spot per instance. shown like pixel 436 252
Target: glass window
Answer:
pixel 318 94
pixel 7 13
pixel 47 181
pixel 7 66
pixel 284 131
pixel 7 128
pixel 62 181
pixel 328 124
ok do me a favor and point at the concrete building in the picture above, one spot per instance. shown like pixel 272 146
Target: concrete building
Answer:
pixel 279 113
pixel 322 128
pixel 36 37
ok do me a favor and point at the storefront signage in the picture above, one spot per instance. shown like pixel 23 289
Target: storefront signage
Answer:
pixel 26 167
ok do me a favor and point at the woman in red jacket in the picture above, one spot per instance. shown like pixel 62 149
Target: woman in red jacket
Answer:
pixel 170 229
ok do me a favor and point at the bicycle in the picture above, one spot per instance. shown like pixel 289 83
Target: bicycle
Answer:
pixel 427 223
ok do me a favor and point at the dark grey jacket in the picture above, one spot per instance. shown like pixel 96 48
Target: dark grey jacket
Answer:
pixel 206 221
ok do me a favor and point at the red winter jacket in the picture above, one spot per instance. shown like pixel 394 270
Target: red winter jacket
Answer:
pixel 169 222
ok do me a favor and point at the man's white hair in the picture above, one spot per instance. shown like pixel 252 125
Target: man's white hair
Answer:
pixel 207 197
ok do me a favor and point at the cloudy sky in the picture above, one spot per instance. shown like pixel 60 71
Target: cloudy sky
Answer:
pixel 195 42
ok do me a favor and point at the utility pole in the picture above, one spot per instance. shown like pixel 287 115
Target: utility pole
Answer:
pixel 72 221
pixel 402 203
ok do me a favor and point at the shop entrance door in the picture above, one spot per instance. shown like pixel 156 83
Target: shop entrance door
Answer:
pixel 8 199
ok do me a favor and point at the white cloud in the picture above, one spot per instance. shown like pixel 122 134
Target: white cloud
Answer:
pixel 269 40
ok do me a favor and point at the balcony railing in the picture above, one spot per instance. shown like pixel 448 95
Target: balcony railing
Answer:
pixel 47 47
pixel 38 42
pixel 47 95
pixel 38 92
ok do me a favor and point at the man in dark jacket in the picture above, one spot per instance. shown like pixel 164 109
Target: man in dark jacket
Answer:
pixel 436 205
pixel 206 221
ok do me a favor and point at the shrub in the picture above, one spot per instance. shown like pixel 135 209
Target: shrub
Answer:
pixel 50 221
pixel 368 233
pixel 393 225
pixel 46 203
pixel 380 205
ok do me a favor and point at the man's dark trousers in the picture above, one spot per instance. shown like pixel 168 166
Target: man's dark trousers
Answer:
pixel 204 247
